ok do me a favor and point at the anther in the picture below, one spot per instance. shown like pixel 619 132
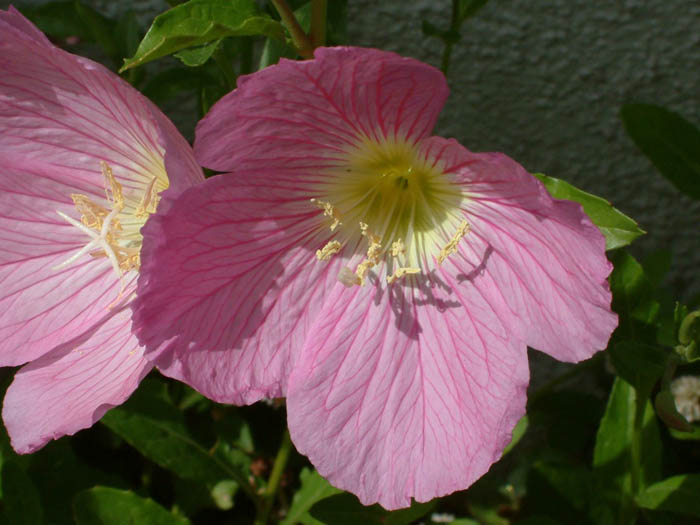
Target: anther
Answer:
pixel 329 211
pixel 401 272
pixel 330 249
pixel 451 246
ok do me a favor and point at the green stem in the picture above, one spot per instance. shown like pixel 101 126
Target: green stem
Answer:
pixel 273 483
pixel 628 507
pixel 301 39
pixel 226 66
pixel 454 28
pixel 318 22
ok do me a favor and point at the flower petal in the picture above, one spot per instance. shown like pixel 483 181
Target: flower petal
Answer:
pixel 70 112
pixel 230 282
pixel 41 307
pixel 545 257
pixel 302 115
pixel 409 391
pixel 72 387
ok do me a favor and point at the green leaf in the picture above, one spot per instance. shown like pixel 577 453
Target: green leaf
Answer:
pixel 346 509
pixel 611 455
pixel 675 494
pixel 468 8
pixel 155 427
pixel 200 22
pixel 632 291
pixel 639 364
pixel 314 488
pixel 518 433
pixel 669 141
pixel 20 499
pixel 619 230
pixel 109 506
pixel 196 56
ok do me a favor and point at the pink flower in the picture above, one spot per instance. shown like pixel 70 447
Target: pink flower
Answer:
pixel 385 281
pixel 83 159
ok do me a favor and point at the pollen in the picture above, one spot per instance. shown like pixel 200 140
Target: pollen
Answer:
pixel 398 248
pixel 401 272
pixel 451 246
pixel 330 249
pixel 329 211
pixel 114 229
pixel 404 201
pixel 149 201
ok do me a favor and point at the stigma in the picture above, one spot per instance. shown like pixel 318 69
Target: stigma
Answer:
pixel 113 227
pixel 397 207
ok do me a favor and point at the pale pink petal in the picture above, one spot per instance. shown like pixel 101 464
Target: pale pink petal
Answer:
pixel 545 258
pixel 303 115
pixel 41 307
pixel 230 280
pixel 72 387
pixel 60 116
pixel 407 391
pixel 72 113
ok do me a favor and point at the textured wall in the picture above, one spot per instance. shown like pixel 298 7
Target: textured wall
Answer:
pixel 543 81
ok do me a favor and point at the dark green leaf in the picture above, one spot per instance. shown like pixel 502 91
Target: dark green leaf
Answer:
pixel 314 488
pixel 611 456
pixel 632 291
pixel 20 499
pixel 346 509
pixel 639 364
pixel 101 29
pixel 109 506
pixel 61 19
pixel 619 230
pixel 152 425
pixel 671 143
pixel 196 56
pixel 128 33
pixel 675 494
pixel 468 8
pixel 559 489
pixel 171 82
pixel 200 22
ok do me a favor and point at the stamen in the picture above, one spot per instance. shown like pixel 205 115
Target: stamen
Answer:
pixel 113 189
pixel 330 249
pixel 329 211
pixel 398 248
pixel 451 246
pixel 401 272
pixel 149 201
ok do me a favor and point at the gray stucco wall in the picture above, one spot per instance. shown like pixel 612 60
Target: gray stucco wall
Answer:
pixel 543 81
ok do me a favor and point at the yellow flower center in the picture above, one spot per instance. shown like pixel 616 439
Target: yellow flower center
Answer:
pixel 115 231
pixel 401 207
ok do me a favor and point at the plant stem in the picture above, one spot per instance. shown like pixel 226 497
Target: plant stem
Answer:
pixel 454 27
pixel 318 22
pixel 273 483
pixel 301 39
